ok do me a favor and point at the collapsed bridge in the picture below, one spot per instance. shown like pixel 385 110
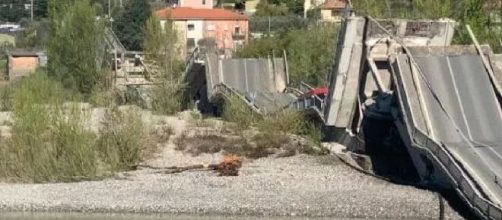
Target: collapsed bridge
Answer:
pixel 444 100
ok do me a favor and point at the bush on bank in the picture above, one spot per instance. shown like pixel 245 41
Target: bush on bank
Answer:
pixel 50 141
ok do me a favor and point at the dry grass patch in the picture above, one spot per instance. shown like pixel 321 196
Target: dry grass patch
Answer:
pixel 209 142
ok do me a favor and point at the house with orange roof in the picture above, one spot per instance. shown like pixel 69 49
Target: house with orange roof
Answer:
pixel 332 10
pixel 196 3
pixel 217 28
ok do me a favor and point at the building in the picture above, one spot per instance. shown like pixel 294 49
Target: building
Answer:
pixel 310 5
pixel 208 4
pixel 21 64
pixel 332 10
pixel 250 6
pixel 217 28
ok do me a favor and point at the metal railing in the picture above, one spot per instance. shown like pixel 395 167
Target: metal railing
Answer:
pixel 227 91
pixel 313 102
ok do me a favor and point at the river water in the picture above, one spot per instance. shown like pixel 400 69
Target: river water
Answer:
pixel 83 216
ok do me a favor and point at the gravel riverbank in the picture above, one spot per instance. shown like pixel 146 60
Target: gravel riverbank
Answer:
pixel 301 185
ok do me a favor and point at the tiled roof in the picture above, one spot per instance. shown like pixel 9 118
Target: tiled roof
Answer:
pixel 334 4
pixel 183 13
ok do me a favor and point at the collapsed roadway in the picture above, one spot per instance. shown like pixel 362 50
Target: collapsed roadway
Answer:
pixel 444 100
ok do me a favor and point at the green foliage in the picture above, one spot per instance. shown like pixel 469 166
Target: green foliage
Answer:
pixel 5 96
pixel 160 45
pixel 167 96
pixel 309 51
pixel 435 9
pixel 48 141
pixel 40 8
pixel 279 7
pixel 34 35
pixel 6 42
pixel 266 9
pixel 75 45
pixel 14 13
pixel 51 141
pixel 235 110
pixel 129 26
pixel 160 42
pixel 121 140
pixel 101 97
pixel 284 122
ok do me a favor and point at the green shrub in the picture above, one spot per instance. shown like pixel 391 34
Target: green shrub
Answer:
pixel 284 122
pixel 123 139
pixel 101 97
pixel 313 133
pixel 49 142
pixel 235 110
pixel 167 97
pixel 310 51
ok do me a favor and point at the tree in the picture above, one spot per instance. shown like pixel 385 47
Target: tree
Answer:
pixel 160 45
pixel 129 26
pixel 75 47
pixel 40 9
pixel 435 9
pixel 267 9
pixel 310 52
pixel 12 10
pixel 294 6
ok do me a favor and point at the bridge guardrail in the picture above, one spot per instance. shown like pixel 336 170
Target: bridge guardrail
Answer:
pixel 313 102
pixel 227 90
pixel 457 175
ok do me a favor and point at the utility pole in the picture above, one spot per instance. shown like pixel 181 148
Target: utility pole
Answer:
pixel 31 10
pixel 109 9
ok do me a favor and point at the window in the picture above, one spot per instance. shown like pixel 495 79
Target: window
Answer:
pixel 334 13
pixel 190 43
pixel 237 30
pixel 203 2
pixel 191 27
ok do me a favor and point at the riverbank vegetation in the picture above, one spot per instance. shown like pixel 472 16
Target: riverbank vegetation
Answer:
pixel 164 63
pixel 273 130
pixel 51 141
pixel 53 135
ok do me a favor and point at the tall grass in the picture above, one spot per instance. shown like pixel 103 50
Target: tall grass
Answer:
pixel 5 97
pixel 235 110
pixel 51 143
pixel 274 130
pixel 167 96
pixel 48 140
pixel 122 139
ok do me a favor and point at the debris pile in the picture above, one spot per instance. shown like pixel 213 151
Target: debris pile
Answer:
pixel 229 166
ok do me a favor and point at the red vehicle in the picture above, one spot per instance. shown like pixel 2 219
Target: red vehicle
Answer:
pixel 321 92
